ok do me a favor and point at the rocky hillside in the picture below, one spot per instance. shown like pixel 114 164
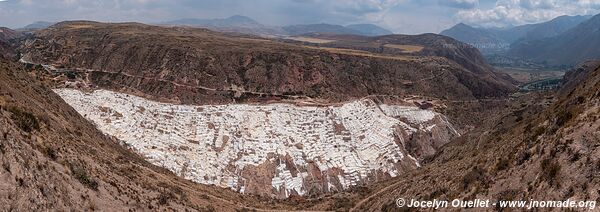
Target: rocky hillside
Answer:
pixel 6 41
pixel 198 66
pixel 428 45
pixel 54 159
pixel 533 153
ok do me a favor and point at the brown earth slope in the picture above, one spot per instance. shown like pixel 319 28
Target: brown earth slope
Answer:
pixel 416 45
pixel 53 159
pixel 202 67
pixel 547 155
pixel 6 37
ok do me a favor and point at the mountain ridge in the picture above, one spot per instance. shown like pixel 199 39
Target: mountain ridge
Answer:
pixel 498 41
pixel 574 46
pixel 246 67
pixel 369 29
pixel 244 24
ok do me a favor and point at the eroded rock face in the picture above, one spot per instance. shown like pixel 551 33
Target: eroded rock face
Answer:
pixel 276 149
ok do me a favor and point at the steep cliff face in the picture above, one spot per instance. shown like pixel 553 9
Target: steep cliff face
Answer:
pixel 201 67
pixel 53 159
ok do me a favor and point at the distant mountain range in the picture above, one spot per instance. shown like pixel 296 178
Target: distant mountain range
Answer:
pixel 233 21
pixel 38 25
pixel 571 47
pixel 245 24
pixel 563 41
pixel 497 40
pixel 369 29
pixel 486 40
pixel 356 29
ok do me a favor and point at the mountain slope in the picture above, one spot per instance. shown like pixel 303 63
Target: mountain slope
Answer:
pixel 369 29
pixel 38 25
pixel 236 24
pixel 569 48
pixel 485 40
pixel 319 28
pixel 230 22
pixel 427 45
pixel 191 66
pixel 54 159
pixel 533 153
pixel 499 40
pixel 6 37
pixel 554 27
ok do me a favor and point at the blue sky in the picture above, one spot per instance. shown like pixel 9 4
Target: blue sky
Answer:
pixel 400 16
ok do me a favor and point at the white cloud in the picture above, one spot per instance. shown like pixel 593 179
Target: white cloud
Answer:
pixel 369 10
pixel 518 12
pixel 465 4
pixel 402 16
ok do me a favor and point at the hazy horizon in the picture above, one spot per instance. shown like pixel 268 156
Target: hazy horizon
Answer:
pixel 399 16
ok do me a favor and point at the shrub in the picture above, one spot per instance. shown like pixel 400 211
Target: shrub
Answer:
pixel 550 171
pixel 563 117
pixel 82 176
pixel 71 75
pixel 437 193
pixel 474 176
pixel 208 208
pixel 24 120
pixel 502 164
pixel 50 153
pixel 164 198
pixel 523 156
pixel 342 204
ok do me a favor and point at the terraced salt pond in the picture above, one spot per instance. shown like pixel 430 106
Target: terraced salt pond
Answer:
pixel 274 149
